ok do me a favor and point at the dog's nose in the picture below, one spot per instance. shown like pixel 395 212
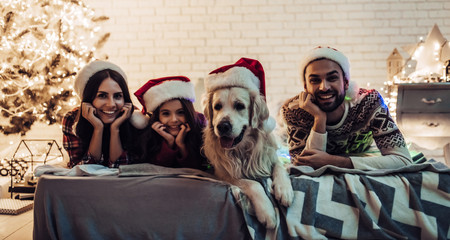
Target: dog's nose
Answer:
pixel 224 127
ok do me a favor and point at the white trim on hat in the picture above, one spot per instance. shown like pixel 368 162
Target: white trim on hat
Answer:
pixel 167 90
pixel 233 77
pixel 90 69
pixel 328 53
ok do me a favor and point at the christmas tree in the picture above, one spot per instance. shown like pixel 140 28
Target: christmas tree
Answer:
pixel 43 45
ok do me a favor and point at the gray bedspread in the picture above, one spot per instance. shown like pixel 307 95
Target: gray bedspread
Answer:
pixel 149 206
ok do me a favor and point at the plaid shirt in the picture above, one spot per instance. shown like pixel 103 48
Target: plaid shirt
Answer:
pixel 73 146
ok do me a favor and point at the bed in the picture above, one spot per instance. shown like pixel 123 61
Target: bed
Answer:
pixel 149 205
pixel 151 202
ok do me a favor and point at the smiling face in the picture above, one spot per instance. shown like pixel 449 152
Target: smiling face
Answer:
pixel 172 115
pixel 325 80
pixel 108 101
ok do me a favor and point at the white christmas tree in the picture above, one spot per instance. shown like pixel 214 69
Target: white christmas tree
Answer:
pixel 43 44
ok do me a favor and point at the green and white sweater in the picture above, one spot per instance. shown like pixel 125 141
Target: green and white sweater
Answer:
pixel 366 119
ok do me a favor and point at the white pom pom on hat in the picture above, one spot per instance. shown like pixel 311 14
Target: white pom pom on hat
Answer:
pixel 139 120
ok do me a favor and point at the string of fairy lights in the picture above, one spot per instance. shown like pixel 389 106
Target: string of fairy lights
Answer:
pixel 426 63
pixel 42 46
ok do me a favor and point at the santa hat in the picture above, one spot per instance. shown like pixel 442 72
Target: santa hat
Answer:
pixel 246 73
pixel 157 91
pixel 324 52
pixel 89 70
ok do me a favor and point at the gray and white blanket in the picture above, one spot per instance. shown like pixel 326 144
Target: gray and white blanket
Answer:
pixel 412 202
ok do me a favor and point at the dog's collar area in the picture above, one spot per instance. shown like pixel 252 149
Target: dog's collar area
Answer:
pixel 240 137
pixel 228 143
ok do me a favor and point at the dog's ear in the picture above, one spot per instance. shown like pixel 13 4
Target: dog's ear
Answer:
pixel 207 107
pixel 258 111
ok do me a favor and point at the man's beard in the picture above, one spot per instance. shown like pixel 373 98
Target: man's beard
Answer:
pixel 331 106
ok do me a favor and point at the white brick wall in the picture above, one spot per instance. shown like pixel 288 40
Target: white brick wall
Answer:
pixel 192 37
pixel 156 38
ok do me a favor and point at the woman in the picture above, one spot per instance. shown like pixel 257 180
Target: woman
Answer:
pixel 173 137
pixel 102 122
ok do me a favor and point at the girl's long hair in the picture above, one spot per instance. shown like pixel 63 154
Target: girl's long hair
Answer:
pixel 149 144
pixel 84 128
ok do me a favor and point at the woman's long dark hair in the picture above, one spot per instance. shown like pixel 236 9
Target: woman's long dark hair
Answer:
pixel 84 128
pixel 150 141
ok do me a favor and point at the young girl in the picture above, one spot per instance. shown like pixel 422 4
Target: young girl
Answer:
pixel 102 123
pixel 173 137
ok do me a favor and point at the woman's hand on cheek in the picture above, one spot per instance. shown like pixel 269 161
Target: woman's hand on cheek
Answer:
pixel 127 110
pixel 160 129
pixel 88 112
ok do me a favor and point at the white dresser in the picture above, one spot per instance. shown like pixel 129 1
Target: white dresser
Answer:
pixel 423 113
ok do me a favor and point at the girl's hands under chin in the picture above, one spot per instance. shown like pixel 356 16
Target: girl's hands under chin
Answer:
pixel 179 141
pixel 160 129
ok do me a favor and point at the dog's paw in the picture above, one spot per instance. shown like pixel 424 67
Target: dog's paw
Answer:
pixel 281 186
pixel 282 189
pixel 262 207
pixel 265 213
pixel 284 194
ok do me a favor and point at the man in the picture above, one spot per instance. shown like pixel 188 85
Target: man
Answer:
pixel 332 122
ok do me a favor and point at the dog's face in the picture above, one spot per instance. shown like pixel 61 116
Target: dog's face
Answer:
pixel 229 115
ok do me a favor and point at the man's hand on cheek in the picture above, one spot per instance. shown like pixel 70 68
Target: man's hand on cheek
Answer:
pixel 307 102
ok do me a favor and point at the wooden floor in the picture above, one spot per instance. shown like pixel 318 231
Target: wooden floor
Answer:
pixel 17 227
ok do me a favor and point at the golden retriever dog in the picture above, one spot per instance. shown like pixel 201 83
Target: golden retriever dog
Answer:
pixel 241 149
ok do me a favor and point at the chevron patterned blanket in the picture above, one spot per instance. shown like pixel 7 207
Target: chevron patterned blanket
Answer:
pixel 407 203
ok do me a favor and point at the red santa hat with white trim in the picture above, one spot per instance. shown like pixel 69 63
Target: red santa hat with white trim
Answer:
pixel 83 76
pixel 157 91
pixel 246 73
